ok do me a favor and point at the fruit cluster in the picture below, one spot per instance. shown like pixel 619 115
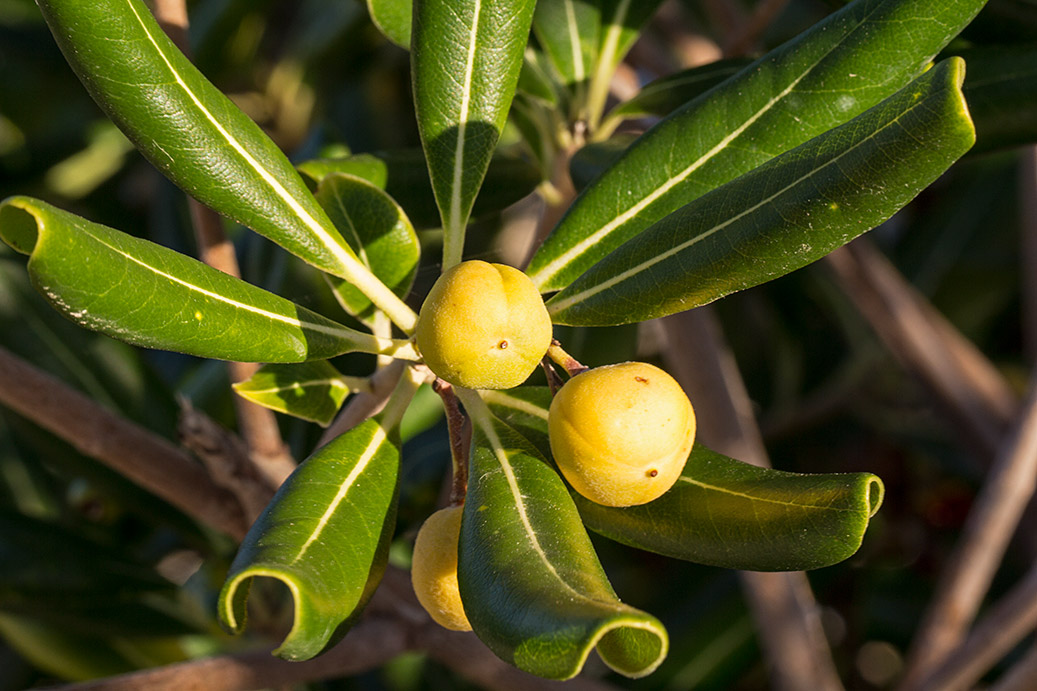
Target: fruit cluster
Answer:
pixel 619 434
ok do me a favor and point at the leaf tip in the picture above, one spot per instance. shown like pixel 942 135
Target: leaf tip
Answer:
pixel 874 493
pixel 20 223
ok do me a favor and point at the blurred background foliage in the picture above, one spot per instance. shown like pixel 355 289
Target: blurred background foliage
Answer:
pixel 98 577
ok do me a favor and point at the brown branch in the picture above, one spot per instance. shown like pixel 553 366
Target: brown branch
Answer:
pixel 1007 623
pixel 1028 221
pixel 960 378
pixel 258 425
pixel 460 440
pixel 782 604
pixel 966 578
pixel 1022 676
pixel 142 456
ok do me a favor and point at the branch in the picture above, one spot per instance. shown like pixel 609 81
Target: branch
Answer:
pixel 1007 623
pixel 990 524
pixel 960 378
pixel 1020 677
pixel 144 457
pixel 782 603
pixel 367 403
pixel 258 425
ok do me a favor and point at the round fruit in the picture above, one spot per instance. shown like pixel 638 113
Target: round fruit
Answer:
pixel 483 326
pixel 621 434
pixel 434 569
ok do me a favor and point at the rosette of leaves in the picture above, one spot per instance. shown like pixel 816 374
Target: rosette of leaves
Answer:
pixel 750 174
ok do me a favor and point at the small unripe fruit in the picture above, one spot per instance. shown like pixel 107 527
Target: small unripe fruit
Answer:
pixel 621 434
pixel 434 569
pixel 483 326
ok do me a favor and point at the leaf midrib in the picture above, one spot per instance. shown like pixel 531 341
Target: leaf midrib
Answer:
pixel 766 500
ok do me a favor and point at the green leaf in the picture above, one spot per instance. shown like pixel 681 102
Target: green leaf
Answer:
pixel 999 89
pixel 785 214
pixel 465 58
pixel 667 94
pixel 835 71
pixel 193 133
pixel 147 295
pixel 534 80
pixel 532 587
pixel 378 231
pixel 404 176
pixel 312 391
pixel 393 18
pixel 325 535
pixel 621 22
pixel 568 32
pixel 723 512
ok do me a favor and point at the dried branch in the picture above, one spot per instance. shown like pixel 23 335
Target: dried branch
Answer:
pixel 1007 623
pixel 258 425
pixel 783 605
pixel 1022 676
pixel 142 456
pixel 960 379
pixel 460 440
pixel 967 576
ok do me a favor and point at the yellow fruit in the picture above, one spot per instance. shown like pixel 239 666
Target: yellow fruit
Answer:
pixel 621 434
pixel 483 326
pixel 434 569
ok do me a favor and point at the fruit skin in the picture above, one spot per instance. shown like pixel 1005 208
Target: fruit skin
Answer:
pixel 434 569
pixel 483 326
pixel 621 434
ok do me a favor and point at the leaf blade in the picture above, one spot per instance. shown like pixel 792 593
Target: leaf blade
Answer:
pixel 197 137
pixel 96 276
pixel 465 58
pixel 311 391
pixel 292 544
pixel 531 584
pixel 707 250
pixel 838 69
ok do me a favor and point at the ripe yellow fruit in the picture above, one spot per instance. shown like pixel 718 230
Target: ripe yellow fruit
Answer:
pixel 434 569
pixel 483 326
pixel 621 434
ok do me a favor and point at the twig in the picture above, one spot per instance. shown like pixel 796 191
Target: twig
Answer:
pixel 226 459
pixel 364 405
pixel 1012 618
pixel 571 365
pixel 258 425
pixel 142 456
pixel 967 576
pixel 961 380
pixel 460 440
pixel 782 603
pixel 1022 676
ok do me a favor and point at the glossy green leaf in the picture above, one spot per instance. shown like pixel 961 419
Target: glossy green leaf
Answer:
pixel 378 231
pixel 465 58
pixel 193 133
pixel 833 72
pixel 621 22
pixel 568 33
pixel 103 280
pixel 667 94
pixel 325 535
pixel 999 88
pixel 731 514
pixel 404 176
pixel 312 390
pixel 393 19
pixel 723 512
pixel 785 214
pixel 531 584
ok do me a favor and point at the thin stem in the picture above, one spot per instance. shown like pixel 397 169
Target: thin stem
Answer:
pixel 990 525
pixel 364 405
pixel 145 458
pixel 554 382
pixel 460 441
pixel 564 360
pixel 598 92
pixel 402 395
